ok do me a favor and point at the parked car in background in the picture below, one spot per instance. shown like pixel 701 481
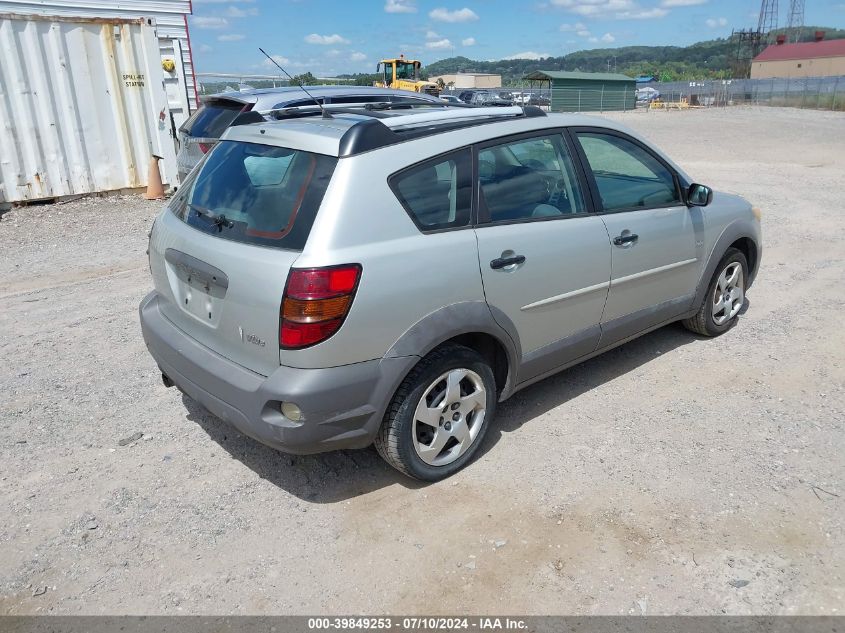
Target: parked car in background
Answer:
pixel 317 283
pixel 488 98
pixel 647 94
pixel 523 98
pixel 450 99
pixel 202 130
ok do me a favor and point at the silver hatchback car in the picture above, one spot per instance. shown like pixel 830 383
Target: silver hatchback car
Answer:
pixel 389 276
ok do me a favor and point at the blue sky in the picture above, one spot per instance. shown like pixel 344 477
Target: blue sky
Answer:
pixel 329 37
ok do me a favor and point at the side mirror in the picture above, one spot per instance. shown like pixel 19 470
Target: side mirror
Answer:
pixel 699 195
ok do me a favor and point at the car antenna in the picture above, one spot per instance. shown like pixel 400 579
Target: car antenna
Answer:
pixel 325 112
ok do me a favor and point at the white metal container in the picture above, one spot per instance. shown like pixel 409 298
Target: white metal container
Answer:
pixel 83 106
pixel 171 27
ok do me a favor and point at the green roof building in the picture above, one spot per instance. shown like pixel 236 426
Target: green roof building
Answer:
pixel 588 92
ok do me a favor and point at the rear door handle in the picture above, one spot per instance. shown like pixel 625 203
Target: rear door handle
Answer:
pixel 502 262
pixel 621 240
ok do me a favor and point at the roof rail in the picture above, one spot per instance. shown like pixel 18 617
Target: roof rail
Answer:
pixel 385 129
pixel 356 108
pixel 438 116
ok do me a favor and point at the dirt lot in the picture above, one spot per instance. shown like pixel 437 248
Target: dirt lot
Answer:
pixel 672 475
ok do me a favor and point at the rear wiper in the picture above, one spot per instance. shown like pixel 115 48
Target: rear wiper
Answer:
pixel 217 220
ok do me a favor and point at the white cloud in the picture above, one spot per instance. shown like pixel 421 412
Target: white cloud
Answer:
pixel 231 37
pixel 357 57
pixel 237 12
pixel 458 15
pixel 205 48
pixel 642 14
pixel 432 35
pixel 282 61
pixel 608 38
pixel 527 55
pixel 569 28
pixel 325 40
pixel 715 23
pixel 207 22
pixel 583 33
pixel 468 41
pixel 618 9
pixel 437 45
pixel 682 3
pixel 400 6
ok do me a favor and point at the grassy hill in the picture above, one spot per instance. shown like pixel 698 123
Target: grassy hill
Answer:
pixel 703 60
pixel 710 59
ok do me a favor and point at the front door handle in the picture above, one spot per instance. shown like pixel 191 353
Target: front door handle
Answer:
pixel 621 240
pixel 503 262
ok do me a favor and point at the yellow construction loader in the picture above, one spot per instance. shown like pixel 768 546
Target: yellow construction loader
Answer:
pixel 404 74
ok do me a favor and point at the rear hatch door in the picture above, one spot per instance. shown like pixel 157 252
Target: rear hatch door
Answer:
pixel 220 254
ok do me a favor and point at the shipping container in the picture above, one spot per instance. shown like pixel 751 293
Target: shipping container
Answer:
pixel 171 21
pixel 83 106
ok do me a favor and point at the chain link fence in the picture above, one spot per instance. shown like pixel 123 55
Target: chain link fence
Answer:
pixel 822 93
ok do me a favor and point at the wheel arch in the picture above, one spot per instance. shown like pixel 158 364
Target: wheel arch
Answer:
pixel 740 235
pixel 473 325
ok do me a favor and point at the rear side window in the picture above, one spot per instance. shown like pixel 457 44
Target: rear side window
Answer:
pixel 255 194
pixel 437 194
pixel 211 120
pixel 627 176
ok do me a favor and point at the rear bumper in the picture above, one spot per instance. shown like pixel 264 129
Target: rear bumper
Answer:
pixel 342 406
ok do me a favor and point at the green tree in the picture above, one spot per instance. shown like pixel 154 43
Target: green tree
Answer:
pixel 305 79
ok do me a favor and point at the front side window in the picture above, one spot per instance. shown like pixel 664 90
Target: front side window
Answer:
pixel 405 70
pixel 529 178
pixel 437 194
pixel 627 176
pixel 256 194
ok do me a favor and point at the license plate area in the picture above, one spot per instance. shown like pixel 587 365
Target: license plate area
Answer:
pixel 198 287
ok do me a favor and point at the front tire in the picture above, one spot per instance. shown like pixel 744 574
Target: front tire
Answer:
pixel 439 416
pixel 724 298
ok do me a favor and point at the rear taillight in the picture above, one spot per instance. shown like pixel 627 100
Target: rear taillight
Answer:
pixel 315 303
pixel 204 147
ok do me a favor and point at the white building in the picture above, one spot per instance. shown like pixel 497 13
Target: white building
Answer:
pixel 469 80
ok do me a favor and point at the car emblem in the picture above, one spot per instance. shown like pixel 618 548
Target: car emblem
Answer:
pixel 250 338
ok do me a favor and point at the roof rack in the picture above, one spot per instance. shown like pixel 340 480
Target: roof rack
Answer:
pixel 404 104
pixel 382 131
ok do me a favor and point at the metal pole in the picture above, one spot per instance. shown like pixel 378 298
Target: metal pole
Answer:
pixel 819 98
pixel 835 87
pixel 579 100
pixel 601 100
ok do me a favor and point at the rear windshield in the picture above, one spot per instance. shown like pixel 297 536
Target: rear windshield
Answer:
pixel 211 120
pixel 255 194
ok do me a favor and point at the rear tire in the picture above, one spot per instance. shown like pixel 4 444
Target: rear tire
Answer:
pixel 439 416
pixel 719 310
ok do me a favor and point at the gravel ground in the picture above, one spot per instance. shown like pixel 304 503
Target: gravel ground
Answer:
pixel 671 475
